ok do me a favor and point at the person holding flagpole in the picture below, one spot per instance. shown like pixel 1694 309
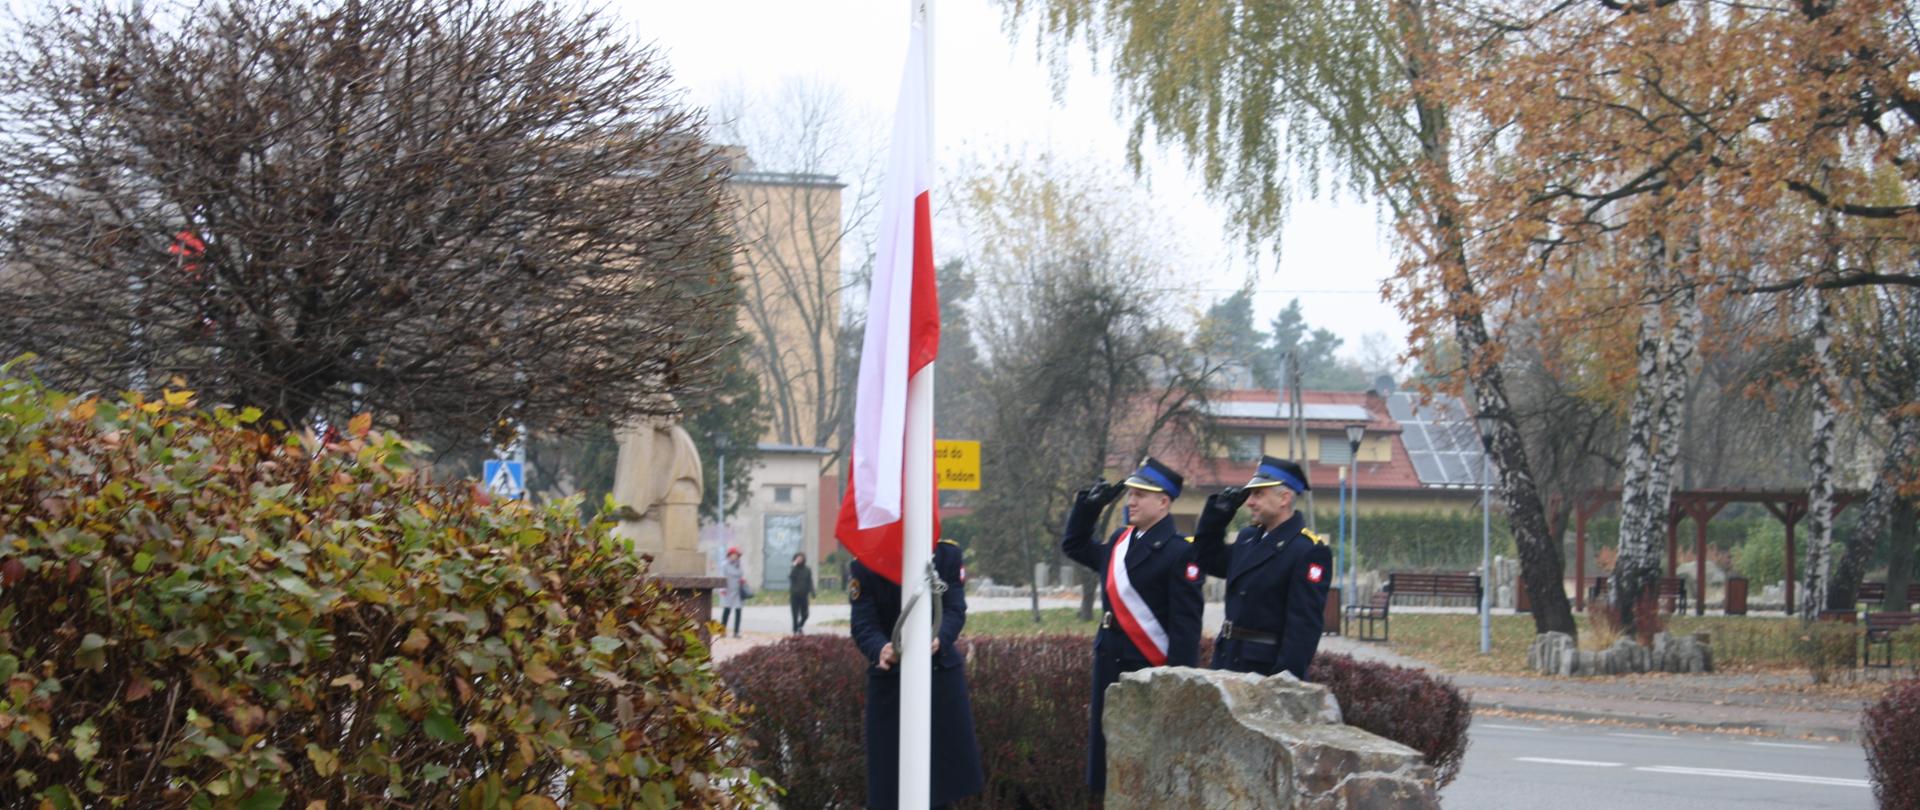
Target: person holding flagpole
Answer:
pixel 1149 584
pixel 876 607
pixel 1277 572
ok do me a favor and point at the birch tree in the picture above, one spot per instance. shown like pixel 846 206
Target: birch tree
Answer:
pixel 1342 92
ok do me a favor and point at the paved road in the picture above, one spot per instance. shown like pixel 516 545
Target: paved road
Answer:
pixel 1527 765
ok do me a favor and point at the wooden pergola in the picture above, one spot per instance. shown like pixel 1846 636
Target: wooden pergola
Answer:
pixel 1789 506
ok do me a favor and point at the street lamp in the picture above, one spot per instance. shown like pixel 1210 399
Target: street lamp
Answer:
pixel 1488 425
pixel 1354 434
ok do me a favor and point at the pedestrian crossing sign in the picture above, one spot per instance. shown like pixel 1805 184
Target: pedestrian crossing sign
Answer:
pixel 506 479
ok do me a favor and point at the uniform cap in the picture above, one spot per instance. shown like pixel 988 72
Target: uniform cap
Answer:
pixel 1154 476
pixel 1274 472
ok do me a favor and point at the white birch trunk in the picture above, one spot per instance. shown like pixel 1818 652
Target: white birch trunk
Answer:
pixel 1638 561
pixel 1813 594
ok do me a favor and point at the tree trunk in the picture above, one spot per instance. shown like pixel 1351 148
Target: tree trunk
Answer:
pixel 1843 588
pixel 1542 565
pixel 1638 563
pixel 1820 454
pixel 1900 556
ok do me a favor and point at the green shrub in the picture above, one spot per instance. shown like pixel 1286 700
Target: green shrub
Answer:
pixel 194 613
pixel 1826 647
pixel 1763 557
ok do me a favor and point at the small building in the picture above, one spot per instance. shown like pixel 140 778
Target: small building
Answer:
pixel 784 517
pixel 1413 457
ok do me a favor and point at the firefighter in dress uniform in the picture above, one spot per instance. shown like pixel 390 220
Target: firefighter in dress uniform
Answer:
pixel 956 772
pixel 1277 573
pixel 1150 587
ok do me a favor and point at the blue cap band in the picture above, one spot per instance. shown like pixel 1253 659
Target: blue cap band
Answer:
pixel 1283 477
pixel 1154 475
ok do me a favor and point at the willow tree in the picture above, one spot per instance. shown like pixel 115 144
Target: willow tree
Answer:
pixel 1339 91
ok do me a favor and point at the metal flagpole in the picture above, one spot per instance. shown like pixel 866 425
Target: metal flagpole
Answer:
pixel 916 559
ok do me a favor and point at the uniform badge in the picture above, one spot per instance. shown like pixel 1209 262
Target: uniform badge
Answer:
pixel 853 590
pixel 963 575
pixel 1315 573
pixel 1193 572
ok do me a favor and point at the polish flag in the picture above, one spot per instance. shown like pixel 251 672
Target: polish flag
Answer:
pixel 903 334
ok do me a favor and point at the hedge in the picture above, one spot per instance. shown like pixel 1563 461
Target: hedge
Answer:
pixel 1891 735
pixel 197 613
pixel 1030 696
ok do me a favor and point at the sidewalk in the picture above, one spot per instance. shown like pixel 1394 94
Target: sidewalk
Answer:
pixel 1772 704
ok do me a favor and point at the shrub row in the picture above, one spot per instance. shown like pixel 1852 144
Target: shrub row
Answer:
pixel 1892 740
pixel 1030 697
pixel 195 613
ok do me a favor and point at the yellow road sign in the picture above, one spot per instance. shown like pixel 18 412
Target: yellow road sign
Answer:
pixel 957 464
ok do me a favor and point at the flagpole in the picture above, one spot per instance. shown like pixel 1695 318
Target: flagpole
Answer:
pixel 916 670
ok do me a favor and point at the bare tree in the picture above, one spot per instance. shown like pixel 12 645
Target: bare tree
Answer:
pixel 459 215
pixel 805 204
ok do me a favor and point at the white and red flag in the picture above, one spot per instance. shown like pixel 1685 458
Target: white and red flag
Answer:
pixel 903 334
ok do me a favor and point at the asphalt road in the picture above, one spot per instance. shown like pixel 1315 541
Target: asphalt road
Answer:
pixel 1524 764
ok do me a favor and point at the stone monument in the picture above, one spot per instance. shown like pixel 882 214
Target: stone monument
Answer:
pixel 657 484
pixel 1199 738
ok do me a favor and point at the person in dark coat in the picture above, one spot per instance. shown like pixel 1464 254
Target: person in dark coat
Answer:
pixel 800 590
pixel 1277 573
pixel 1150 586
pixel 956 772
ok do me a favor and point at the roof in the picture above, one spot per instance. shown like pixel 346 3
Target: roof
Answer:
pixel 1311 411
pixel 1440 439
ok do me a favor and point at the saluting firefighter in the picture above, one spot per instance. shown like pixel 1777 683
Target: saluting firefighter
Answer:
pixel 1277 573
pixel 956 756
pixel 1149 583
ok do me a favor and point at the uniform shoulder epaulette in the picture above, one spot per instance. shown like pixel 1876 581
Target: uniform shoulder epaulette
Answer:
pixel 1314 537
pixel 950 542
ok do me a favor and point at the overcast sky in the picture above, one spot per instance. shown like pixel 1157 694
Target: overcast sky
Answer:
pixel 992 96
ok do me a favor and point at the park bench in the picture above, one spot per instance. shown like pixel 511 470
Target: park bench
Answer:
pixel 1673 593
pixel 1876 592
pixel 1407 584
pixel 1880 630
pixel 1371 616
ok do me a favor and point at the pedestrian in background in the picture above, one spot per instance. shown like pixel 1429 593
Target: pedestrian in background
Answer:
pixel 1277 573
pixel 800 583
pixel 733 591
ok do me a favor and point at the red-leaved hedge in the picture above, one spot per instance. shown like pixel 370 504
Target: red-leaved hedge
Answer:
pixel 1030 697
pixel 1892 739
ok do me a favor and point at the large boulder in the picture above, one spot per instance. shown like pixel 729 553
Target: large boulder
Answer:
pixel 1183 737
pixel 1557 654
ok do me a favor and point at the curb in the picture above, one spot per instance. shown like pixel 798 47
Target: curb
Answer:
pixel 1849 734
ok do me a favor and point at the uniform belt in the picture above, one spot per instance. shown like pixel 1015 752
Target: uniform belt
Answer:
pixel 1228 631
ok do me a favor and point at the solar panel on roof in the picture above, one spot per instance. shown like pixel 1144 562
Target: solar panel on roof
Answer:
pixel 1440 439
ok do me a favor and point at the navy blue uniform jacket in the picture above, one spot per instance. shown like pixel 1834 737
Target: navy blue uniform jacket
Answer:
pixel 956 756
pixel 1157 563
pixel 1271 588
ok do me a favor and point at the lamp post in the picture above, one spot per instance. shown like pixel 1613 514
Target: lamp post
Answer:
pixel 1354 434
pixel 1487 425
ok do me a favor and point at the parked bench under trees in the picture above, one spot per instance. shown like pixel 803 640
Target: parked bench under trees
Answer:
pixel 1673 593
pixel 1880 630
pixel 1372 616
pixel 1876 592
pixel 1404 584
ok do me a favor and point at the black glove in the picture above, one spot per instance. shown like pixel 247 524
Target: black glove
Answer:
pixel 1235 497
pixel 1102 493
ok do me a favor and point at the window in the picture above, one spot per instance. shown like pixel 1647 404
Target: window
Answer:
pixel 1335 450
pixel 783 494
pixel 1244 447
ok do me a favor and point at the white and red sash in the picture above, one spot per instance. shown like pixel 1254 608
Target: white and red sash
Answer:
pixel 1136 619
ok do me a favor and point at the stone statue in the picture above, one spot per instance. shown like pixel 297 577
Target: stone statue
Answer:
pixel 657 483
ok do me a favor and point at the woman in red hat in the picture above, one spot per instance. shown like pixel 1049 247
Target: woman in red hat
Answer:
pixel 733 591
